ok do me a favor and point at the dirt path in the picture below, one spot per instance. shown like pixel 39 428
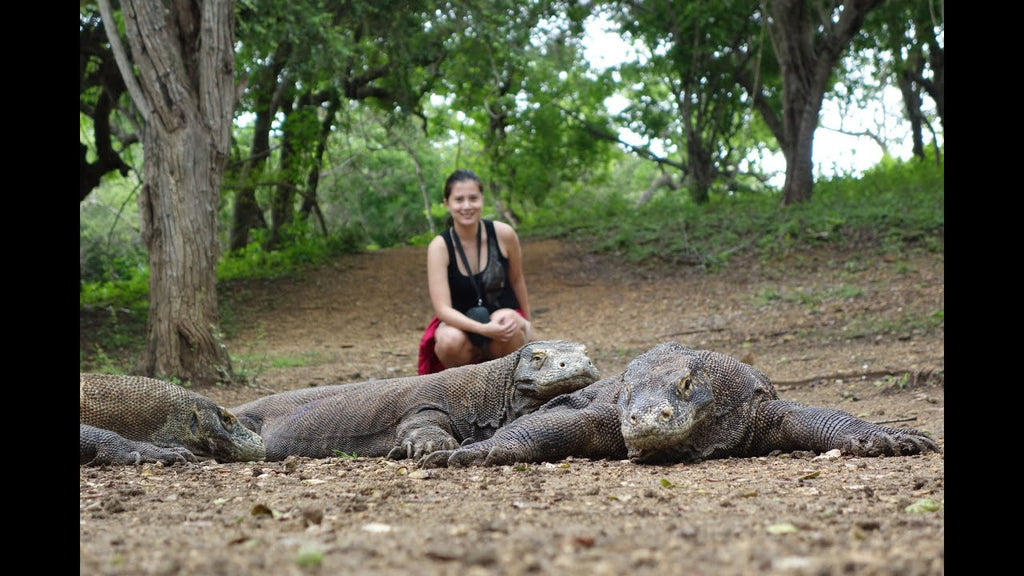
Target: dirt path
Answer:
pixel 809 316
pixel 858 331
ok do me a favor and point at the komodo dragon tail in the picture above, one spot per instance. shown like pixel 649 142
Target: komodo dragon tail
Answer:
pixel 132 419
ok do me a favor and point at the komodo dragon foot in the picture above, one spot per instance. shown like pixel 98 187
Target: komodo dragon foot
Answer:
pixel 888 442
pixel 98 447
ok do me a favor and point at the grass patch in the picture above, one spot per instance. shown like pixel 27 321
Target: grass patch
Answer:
pixel 908 324
pixel 809 297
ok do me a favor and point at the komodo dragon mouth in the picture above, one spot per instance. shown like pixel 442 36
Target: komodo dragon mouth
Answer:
pixel 658 442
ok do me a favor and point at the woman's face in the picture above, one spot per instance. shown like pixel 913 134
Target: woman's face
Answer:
pixel 465 202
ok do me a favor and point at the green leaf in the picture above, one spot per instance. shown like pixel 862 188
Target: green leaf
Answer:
pixel 309 557
pixel 922 506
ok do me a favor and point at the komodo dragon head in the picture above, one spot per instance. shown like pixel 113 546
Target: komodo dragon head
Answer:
pixel 214 432
pixel 166 414
pixel 548 368
pixel 665 394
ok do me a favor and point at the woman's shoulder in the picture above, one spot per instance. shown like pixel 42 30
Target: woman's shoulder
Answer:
pixel 504 230
pixel 438 244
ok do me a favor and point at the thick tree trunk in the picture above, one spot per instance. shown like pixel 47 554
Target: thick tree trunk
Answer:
pixel 178 204
pixel 799 154
pixel 808 42
pixel 181 77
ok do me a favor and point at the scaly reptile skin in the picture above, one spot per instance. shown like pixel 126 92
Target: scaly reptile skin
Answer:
pixel 676 404
pixel 132 419
pixel 408 417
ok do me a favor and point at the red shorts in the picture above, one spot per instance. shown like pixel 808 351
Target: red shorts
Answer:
pixel 429 363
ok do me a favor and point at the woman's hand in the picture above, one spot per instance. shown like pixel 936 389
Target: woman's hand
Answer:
pixel 503 325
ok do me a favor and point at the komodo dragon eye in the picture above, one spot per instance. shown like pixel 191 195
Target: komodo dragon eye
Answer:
pixel 538 359
pixel 227 419
pixel 685 387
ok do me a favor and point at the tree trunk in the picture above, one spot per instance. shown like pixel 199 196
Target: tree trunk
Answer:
pixel 247 214
pixel 702 170
pixel 807 61
pixel 912 105
pixel 310 204
pixel 181 77
pixel 269 87
pixel 282 199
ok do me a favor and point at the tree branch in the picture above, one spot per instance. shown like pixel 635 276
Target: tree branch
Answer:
pixel 123 62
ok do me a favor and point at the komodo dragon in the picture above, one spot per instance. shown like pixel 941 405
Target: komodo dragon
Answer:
pixel 410 416
pixel 132 419
pixel 675 404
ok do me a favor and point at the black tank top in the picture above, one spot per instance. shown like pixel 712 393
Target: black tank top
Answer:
pixel 493 278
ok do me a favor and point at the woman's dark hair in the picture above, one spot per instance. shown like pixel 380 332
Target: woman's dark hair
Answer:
pixel 460 175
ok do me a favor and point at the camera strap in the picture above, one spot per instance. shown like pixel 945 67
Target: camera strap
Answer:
pixel 465 261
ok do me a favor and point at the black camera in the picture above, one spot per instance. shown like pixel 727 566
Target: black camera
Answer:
pixel 482 315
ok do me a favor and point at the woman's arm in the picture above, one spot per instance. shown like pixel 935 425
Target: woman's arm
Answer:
pixel 508 242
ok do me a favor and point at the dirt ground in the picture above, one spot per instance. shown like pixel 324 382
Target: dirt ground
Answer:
pixel 861 331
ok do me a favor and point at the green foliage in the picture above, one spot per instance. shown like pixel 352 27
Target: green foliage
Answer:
pixel 99 361
pixel 893 206
pixel 131 293
pixel 111 335
pixel 108 242
pixel 304 250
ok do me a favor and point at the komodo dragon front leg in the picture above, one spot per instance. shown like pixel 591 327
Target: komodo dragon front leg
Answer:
pixel 425 432
pixel 584 423
pixel 790 426
pixel 131 419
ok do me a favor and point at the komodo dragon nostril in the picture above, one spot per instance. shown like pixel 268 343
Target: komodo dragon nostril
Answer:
pixel 666 413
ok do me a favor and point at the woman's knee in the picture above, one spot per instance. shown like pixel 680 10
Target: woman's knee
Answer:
pixel 452 346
